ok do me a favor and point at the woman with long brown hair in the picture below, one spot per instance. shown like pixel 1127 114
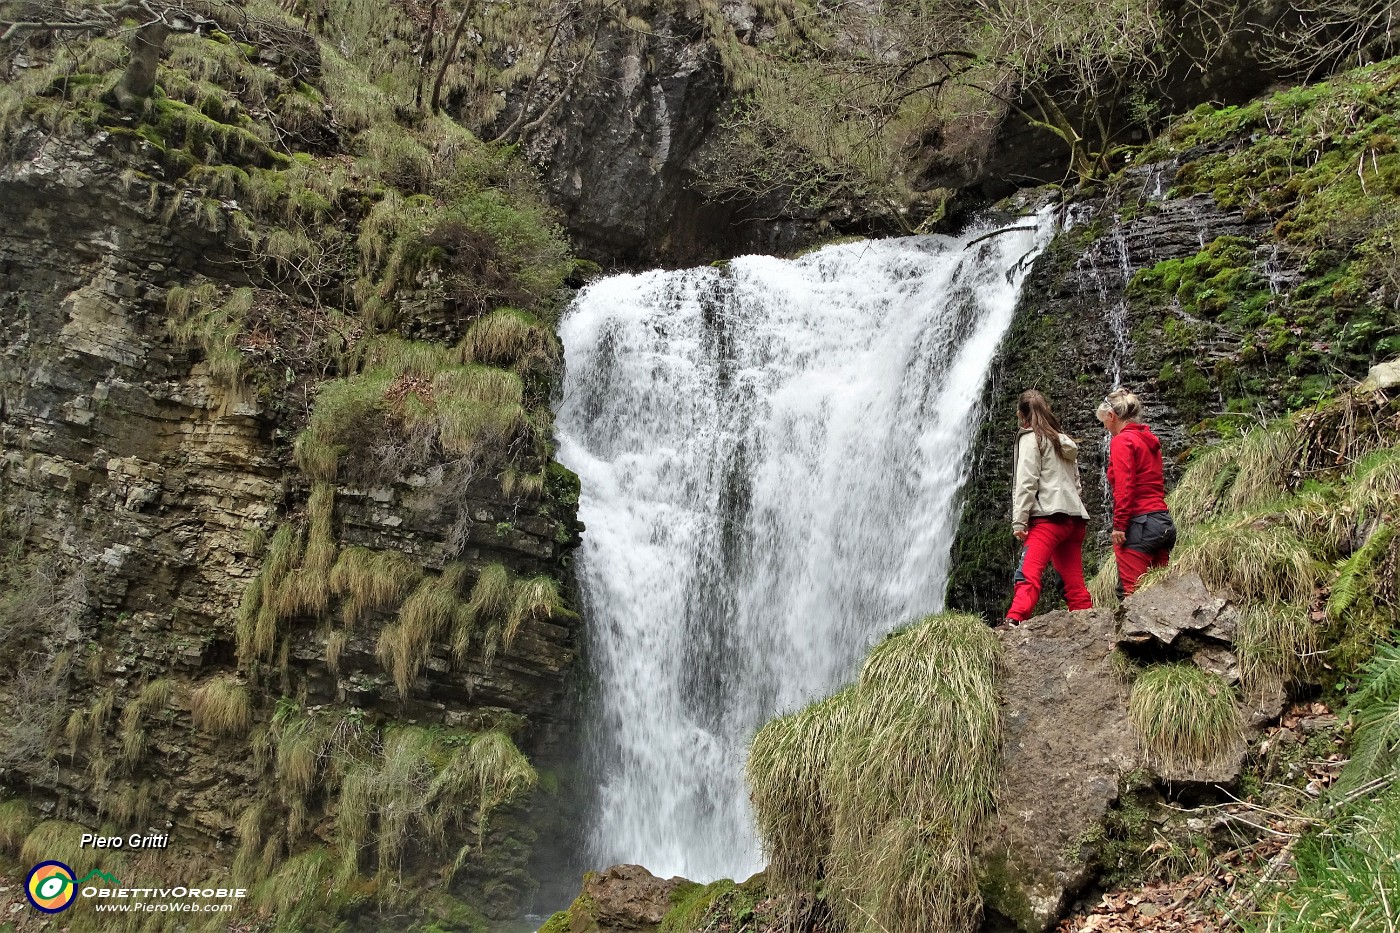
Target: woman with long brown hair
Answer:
pixel 1047 514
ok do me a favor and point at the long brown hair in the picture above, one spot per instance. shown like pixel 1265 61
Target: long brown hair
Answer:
pixel 1035 412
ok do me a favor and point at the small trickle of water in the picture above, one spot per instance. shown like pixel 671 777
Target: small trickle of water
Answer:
pixel 770 456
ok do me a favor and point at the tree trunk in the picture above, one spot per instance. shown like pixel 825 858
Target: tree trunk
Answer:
pixel 138 82
pixel 449 53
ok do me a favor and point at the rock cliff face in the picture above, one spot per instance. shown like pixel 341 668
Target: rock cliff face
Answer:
pixel 1076 336
pixel 624 139
pixel 617 154
pixel 136 488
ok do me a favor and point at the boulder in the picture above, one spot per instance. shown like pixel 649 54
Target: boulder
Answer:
pixel 1224 771
pixel 1178 605
pixel 1067 743
pixel 622 898
pixel 1384 375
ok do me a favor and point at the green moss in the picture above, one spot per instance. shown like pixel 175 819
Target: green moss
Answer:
pixel 1316 164
pixel 691 904
pixel 1118 847
pixel 557 923
pixel 1003 890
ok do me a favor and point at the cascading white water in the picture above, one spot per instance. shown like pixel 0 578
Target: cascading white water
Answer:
pixel 770 455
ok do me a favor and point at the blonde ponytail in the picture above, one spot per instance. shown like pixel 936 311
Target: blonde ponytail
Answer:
pixel 1123 404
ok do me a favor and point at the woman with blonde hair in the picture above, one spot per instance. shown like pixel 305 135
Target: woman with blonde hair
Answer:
pixel 1143 531
pixel 1047 514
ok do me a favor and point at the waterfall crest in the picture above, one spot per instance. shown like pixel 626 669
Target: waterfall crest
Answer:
pixel 770 455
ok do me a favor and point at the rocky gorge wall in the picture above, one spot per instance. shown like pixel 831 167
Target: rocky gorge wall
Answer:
pixel 146 496
pixel 1235 274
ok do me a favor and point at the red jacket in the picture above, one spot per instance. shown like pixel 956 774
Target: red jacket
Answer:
pixel 1135 474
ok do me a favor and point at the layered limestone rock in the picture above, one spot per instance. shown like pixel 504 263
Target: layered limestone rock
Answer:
pixel 131 469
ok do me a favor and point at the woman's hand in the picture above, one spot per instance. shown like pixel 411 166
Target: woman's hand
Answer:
pixel 1120 538
pixel 1020 535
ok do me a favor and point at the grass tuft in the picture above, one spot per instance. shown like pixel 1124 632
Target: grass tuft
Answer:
pixel 787 772
pixel 509 337
pixel 1185 717
pixel 1256 557
pixel 881 790
pixel 221 707
pixel 1103 587
pixel 16 822
pixel 371 581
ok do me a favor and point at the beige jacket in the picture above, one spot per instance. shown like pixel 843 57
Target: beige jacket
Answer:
pixel 1045 483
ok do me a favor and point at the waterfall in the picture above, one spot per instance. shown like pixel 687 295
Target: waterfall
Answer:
pixel 770 454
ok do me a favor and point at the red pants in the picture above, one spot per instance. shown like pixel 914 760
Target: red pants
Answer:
pixel 1133 563
pixel 1055 540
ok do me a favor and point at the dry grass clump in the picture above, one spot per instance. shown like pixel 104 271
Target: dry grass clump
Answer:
pixel 371 581
pixel 1265 460
pixel 438 610
pixel 60 841
pixel 421 782
pixel 154 696
pixel 504 603
pixel 301 886
pixel 1374 488
pixel 1246 534
pixel 1241 474
pixel 435 607
pixel 509 337
pixel 222 707
pixel 1257 557
pixel 1185 717
pixel 200 318
pixel 132 805
pixel 16 821
pixel 882 788
pixel 335 647
pixel 297 744
pixel 537 597
pixel 1273 641
pixel 270 596
pixel 1103 587
pixel 787 770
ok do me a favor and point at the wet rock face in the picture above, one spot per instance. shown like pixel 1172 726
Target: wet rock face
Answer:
pixel 126 465
pixel 615 155
pixel 1074 338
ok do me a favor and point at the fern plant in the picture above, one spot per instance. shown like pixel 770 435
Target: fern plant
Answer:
pixel 1354 573
pixel 1375 713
